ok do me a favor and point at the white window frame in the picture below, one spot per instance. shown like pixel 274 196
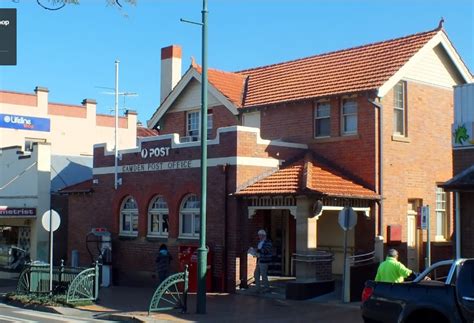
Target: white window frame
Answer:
pixel 317 118
pixel 193 213
pixel 344 115
pixel 196 133
pixel 400 105
pixel 441 212
pixel 158 212
pixel 128 213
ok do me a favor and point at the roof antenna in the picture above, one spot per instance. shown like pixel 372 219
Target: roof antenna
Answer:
pixel 441 23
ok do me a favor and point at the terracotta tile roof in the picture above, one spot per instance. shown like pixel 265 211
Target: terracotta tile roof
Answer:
pixel 350 70
pixel 310 173
pixel 146 132
pixel 82 187
pixel 231 85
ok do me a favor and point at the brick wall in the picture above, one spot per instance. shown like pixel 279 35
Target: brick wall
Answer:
pixel 462 159
pixel 355 153
pixel 175 122
pixel 413 166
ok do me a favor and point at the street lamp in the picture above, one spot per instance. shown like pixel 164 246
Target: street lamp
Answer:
pixel 202 250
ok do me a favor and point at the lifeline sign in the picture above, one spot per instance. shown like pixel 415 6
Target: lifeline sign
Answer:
pixel 24 122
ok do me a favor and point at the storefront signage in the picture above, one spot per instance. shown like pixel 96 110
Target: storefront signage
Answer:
pixel 17 211
pixel 155 152
pixel 24 122
pixel 135 168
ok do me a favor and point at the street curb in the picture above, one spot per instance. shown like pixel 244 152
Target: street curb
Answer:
pixel 118 317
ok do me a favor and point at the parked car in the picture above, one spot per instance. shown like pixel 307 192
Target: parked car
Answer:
pixel 442 293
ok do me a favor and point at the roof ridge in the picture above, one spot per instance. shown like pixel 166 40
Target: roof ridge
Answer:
pixel 338 51
pixel 197 67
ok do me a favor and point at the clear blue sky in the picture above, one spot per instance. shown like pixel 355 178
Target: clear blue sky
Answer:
pixel 72 50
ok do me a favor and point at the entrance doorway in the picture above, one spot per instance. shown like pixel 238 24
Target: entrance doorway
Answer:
pixel 281 229
pixel 412 236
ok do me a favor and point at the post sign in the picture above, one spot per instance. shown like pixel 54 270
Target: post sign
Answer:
pixel 17 211
pixel 13 121
pixel 425 213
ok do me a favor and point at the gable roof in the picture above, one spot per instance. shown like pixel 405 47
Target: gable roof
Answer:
pixel 376 66
pixel 345 71
pixel 309 174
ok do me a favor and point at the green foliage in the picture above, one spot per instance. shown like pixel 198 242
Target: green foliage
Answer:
pixel 44 300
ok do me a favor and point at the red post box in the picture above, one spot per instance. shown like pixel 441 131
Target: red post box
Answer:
pixel 188 256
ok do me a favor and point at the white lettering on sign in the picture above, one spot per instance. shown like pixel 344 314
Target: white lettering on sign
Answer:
pixel 155 152
pixel 4 22
pixel 150 167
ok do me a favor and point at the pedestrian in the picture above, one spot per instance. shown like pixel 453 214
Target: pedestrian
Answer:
pixel 163 261
pixel 391 270
pixel 264 257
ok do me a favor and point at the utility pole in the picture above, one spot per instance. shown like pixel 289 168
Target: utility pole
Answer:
pixel 202 250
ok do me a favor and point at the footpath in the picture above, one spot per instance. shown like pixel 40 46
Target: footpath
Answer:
pixel 130 304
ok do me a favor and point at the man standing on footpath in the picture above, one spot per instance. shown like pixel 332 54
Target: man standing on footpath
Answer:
pixel 391 270
pixel 264 257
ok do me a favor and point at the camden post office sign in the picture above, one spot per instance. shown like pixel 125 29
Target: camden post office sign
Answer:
pixel 157 152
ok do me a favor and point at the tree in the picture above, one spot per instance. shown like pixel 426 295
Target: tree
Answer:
pixel 59 4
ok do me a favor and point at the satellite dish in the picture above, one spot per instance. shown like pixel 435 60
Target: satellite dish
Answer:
pixel 317 209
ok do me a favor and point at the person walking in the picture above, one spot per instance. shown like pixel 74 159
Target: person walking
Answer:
pixel 264 257
pixel 163 261
pixel 391 270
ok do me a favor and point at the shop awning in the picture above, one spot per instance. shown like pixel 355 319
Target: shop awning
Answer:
pixel 464 181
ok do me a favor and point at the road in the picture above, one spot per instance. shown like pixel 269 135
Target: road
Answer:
pixel 19 315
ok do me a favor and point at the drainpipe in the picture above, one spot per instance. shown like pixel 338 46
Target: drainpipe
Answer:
pixel 379 106
pixel 225 168
pixel 458 224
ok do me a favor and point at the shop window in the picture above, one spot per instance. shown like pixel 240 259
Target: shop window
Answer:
pixel 349 116
pixel 189 217
pixel 322 120
pixel 441 214
pixel 129 217
pixel 158 217
pixel 399 109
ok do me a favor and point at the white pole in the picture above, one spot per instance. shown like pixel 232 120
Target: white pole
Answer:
pixel 50 251
pixel 428 240
pixel 116 122
pixel 458 225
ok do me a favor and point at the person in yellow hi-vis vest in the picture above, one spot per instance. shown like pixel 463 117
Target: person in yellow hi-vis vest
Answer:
pixel 391 270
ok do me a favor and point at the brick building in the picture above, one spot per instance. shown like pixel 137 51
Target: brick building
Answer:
pixel 290 145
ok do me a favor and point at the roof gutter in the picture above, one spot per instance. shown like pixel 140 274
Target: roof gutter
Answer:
pixel 378 105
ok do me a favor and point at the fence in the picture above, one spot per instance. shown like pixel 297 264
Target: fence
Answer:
pixel 360 268
pixel 77 283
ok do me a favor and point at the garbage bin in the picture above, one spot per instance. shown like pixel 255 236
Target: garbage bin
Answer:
pixel 187 255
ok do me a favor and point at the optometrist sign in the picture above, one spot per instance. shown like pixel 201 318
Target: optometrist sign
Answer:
pixel 17 211
pixel 13 121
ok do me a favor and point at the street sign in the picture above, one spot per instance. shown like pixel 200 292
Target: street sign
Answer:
pixel 425 213
pixel 347 218
pixel 54 222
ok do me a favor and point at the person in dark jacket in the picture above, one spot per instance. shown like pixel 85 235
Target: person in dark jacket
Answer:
pixel 264 257
pixel 163 261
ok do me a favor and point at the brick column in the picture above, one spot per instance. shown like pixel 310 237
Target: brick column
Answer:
pixel 306 237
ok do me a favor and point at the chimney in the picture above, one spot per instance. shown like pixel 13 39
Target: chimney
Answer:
pixel 170 69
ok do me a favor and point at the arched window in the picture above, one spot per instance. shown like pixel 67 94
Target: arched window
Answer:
pixel 129 217
pixel 158 217
pixel 189 217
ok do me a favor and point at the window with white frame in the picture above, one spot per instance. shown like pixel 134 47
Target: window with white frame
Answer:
pixel 129 217
pixel 349 116
pixel 441 214
pixel 189 217
pixel 158 217
pixel 193 121
pixel 322 119
pixel 399 109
